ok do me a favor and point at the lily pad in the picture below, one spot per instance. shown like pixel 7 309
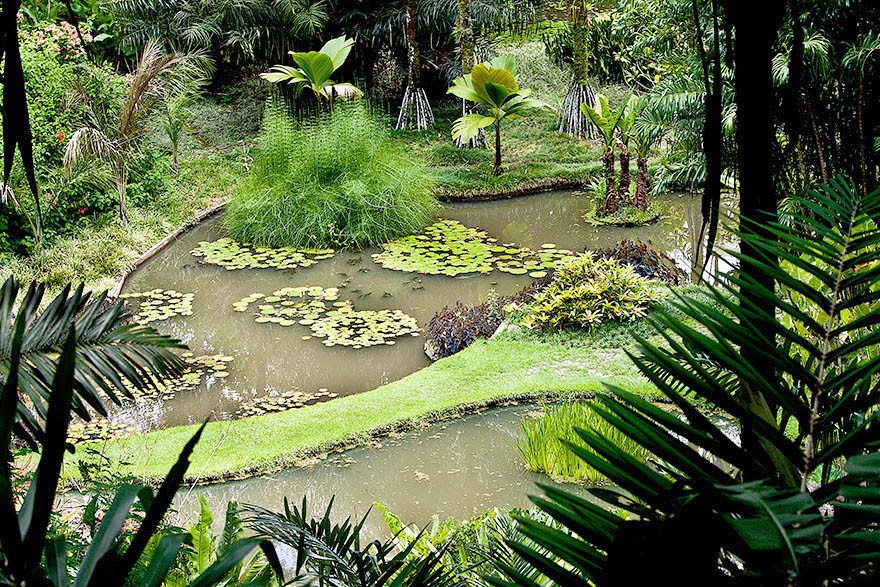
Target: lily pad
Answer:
pixel 157 305
pixel 232 255
pixel 285 400
pixel 290 305
pixel 364 328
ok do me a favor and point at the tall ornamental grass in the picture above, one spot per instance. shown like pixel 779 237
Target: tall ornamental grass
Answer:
pixel 337 181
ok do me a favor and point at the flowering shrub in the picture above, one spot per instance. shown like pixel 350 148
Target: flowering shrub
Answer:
pixel 59 40
pixel 588 292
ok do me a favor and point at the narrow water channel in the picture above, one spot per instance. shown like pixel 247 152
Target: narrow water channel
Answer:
pixel 457 469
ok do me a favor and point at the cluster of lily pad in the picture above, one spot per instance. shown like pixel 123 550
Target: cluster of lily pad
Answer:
pixel 334 320
pixel 232 255
pixel 364 328
pixel 197 369
pixel 159 304
pixel 286 400
pixel 450 248
pixel 291 305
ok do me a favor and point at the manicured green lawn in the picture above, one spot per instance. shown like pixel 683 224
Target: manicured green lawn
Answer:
pixel 511 366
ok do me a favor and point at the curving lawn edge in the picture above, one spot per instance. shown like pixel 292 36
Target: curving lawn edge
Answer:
pixel 486 373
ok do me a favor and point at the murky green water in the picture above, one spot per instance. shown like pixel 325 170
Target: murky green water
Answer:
pixel 271 358
pixel 453 469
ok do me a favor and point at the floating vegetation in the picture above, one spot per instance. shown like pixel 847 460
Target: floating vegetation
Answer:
pixel 286 400
pixel 445 248
pixel 450 248
pixel 292 305
pixel 233 255
pixel 98 430
pixel 364 328
pixel 159 304
pixel 627 216
pixel 197 370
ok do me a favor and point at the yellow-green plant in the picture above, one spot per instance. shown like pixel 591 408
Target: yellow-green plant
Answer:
pixel 492 86
pixel 588 292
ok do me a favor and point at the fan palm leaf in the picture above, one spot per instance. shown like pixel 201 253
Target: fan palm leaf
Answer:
pixel 112 359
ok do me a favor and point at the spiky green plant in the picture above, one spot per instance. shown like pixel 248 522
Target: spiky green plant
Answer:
pixel 709 509
pixel 341 181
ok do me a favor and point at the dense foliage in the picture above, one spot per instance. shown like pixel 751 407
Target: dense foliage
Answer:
pixel 340 181
pixel 589 291
pixel 453 329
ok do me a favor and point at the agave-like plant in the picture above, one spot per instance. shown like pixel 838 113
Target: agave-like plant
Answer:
pixel 795 501
pixel 315 69
pixel 113 138
pixel 493 86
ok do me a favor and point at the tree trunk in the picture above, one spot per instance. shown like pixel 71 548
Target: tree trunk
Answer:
pixel 755 132
pixel 611 204
pixel 625 177
pixel 121 184
pixel 466 45
pixel 497 170
pixel 175 165
pixel 641 199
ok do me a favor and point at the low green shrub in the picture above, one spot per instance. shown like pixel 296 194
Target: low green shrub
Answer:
pixel 339 181
pixel 541 444
pixel 588 292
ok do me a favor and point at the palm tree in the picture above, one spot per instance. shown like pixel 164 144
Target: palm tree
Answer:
pixel 30 552
pixel 113 139
pixel 606 119
pixel 111 357
pixel 331 553
pixel 494 87
pixel 572 120
pixel 315 69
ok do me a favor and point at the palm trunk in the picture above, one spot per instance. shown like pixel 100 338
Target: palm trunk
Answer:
pixel 175 165
pixel 121 185
pixel 611 204
pixel 415 110
pixel 466 47
pixel 641 199
pixel 497 170
pixel 625 177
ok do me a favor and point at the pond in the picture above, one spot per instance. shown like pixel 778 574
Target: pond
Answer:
pixel 455 469
pixel 253 362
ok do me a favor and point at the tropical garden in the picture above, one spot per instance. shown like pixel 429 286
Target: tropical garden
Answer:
pixel 434 292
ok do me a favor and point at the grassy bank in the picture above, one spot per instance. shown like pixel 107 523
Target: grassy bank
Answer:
pixel 103 249
pixel 511 366
pixel 533 154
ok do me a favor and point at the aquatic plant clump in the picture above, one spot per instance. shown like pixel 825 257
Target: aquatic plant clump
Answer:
pixel 542 450
pixel 451 248
pixel 286 400
pixel 233 255
pixel 158 304
pixel 364 328
pixel 339 181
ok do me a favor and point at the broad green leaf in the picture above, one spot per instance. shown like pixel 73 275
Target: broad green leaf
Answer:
pixel 467 127
pixel 316 67
pixel 337 50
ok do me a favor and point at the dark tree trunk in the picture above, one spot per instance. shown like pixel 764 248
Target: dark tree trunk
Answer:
pixel 611 204
pixel 641 199
pixel 625 177
pixel 497 169
pixel 758 198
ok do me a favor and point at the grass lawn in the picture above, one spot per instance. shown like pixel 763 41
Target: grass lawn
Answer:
pixel 511 366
